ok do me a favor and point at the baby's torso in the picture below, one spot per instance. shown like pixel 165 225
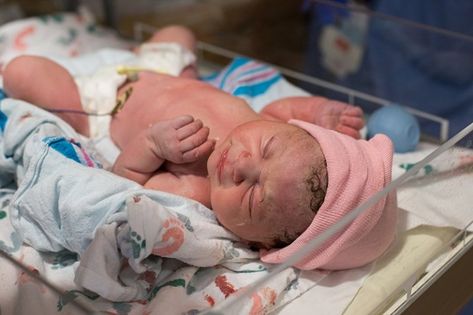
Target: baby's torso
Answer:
pixel 160 97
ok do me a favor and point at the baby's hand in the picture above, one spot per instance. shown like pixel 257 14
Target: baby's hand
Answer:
pixel 181 139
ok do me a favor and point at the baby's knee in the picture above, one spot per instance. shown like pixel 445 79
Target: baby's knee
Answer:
pixel 177 34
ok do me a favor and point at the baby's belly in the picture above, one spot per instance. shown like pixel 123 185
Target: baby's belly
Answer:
pixel 159 97
pixel 148 103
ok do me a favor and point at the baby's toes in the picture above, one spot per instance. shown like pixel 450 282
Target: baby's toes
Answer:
pixel 354 133
pixel 353 111
pixel 352 122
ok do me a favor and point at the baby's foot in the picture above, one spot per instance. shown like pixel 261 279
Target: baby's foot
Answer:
pixel 338 116
pixel 318 110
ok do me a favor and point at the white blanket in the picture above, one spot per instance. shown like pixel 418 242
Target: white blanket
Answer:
pixel 440 194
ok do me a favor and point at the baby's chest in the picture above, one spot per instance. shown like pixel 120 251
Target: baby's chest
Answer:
pixel 198 168
pixel 184 184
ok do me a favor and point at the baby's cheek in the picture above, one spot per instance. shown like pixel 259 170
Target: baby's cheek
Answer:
pixel 219 206
pixel 226 207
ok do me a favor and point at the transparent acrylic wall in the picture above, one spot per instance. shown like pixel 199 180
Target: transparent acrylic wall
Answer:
pixel 416 53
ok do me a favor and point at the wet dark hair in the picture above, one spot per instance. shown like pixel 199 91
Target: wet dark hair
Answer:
pixel 316 184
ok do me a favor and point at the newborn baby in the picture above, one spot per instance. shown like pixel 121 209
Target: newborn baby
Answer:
pixel 272 183
pixel 276 185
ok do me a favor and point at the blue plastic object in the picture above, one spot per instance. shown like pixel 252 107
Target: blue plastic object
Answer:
pixel 398 124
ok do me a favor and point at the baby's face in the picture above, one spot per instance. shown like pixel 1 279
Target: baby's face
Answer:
pixel 256 175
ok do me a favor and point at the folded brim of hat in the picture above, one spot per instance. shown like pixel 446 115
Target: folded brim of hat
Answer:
pixel 357 169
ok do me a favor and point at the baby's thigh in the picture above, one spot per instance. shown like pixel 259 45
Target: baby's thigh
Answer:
pixel 38 80
pixel 44 83
pixel 22 75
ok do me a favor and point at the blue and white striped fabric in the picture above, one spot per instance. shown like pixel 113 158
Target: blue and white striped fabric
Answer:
pixel 259 84
pixel 72 150
pixel 245 77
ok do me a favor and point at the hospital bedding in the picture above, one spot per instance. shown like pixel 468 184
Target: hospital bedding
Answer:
pixel 67 35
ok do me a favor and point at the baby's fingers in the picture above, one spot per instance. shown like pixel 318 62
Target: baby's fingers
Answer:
pixel 199 151
pixel 189 129
pixel 194 140
pixel 354 133
pixel 181 121
pixel 353 111
pixel 353 122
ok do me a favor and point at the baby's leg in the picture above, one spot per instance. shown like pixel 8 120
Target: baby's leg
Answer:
pixel 182 36
pixel 323 112
pixel 46 84
pixel 336 115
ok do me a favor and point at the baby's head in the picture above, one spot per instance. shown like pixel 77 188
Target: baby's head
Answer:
pixel 268 180
pixel 280 185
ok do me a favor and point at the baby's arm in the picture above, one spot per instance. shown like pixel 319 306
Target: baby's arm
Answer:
pixel 321 111
pixel 179 140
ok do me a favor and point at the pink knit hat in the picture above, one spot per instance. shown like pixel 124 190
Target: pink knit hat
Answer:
pixel 356 169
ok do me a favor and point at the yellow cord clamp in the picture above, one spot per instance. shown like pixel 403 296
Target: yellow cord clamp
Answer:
pixel 121 99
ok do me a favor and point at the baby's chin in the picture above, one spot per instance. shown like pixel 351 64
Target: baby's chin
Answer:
pixel 212 165
pixel 213 159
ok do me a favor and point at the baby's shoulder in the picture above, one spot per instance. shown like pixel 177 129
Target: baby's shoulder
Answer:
pixel 188 185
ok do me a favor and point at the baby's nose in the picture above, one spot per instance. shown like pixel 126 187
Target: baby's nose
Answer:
pixel 245 168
